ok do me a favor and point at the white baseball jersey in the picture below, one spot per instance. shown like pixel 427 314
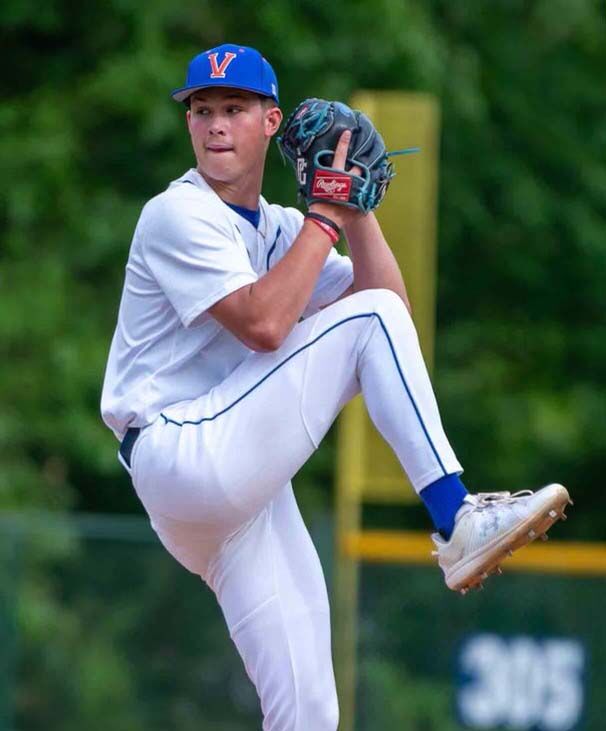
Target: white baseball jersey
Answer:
pixel 189 251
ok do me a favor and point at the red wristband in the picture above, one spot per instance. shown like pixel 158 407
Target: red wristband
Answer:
pixel 328 230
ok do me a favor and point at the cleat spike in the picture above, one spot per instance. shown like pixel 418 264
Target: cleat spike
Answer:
pixel 479 587
pixel 570 502
pixel 496 526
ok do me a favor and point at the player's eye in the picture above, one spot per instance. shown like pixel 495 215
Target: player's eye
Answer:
pixel 234 109
pixel 202 111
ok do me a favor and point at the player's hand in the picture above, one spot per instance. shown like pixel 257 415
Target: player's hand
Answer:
pixel 341 215
pixel 316 126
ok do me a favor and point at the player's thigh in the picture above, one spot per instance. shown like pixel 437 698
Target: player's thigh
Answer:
pixel 259 426
pixel 221 458
pixel 270 585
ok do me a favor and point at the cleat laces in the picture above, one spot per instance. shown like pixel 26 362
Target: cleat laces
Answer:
pixel 485 500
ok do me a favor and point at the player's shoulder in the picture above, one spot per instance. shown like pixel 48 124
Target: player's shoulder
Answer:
pixel 187 197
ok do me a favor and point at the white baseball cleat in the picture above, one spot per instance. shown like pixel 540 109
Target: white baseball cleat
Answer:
pixel 490 526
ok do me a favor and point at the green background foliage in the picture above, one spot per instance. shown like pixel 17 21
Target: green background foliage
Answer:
pixel 88 133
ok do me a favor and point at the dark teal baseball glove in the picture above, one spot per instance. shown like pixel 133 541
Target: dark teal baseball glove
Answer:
pixel 309 140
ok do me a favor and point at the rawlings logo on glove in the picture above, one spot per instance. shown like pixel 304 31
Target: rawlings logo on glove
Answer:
pixel 309 141
pixel 331 185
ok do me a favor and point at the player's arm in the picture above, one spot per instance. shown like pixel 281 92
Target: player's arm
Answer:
pixel 374 265
pixel 262 314
pixel 308 132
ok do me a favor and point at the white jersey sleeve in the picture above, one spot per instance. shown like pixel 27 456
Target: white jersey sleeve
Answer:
pixel 336 275
pixel 193 253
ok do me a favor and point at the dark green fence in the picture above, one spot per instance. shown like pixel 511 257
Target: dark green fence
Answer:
pixel 101 630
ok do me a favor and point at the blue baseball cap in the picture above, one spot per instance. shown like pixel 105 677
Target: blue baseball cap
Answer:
pixel 237 67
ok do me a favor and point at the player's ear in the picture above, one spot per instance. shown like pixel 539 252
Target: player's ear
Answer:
pixel 273 120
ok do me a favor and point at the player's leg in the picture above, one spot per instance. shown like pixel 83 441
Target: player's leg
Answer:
pixel 225 455
pixel 221 458
pixel 268 580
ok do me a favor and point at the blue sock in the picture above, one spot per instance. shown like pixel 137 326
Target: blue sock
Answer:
pixel 442 499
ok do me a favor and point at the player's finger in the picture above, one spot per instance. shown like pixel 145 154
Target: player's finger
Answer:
pixel 341 150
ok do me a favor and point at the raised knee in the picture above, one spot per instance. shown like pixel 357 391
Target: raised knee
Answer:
pixel 380 300
pixel 387 299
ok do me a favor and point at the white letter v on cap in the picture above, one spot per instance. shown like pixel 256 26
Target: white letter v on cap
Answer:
pixel 218 72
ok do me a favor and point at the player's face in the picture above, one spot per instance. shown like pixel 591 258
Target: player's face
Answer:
pixel 230 131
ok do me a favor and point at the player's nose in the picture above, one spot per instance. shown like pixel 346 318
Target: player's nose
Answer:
pixel 217 125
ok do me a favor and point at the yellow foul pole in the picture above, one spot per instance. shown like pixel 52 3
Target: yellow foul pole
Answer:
pixel 367 470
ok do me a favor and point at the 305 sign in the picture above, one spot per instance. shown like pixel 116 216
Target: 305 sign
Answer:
pixel 521 683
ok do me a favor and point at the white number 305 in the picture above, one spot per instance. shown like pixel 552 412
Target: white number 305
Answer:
pixel 521 682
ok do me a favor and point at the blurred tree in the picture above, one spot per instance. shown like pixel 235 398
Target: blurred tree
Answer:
pixel 88 133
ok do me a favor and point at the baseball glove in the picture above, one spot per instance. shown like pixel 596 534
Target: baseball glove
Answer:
pixel 309 141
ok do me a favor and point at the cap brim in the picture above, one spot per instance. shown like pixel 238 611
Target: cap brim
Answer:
pixel 180 95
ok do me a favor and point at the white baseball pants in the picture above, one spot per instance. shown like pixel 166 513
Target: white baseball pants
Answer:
pixel 214 476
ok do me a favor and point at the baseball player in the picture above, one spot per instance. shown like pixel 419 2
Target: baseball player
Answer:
pixel 241 334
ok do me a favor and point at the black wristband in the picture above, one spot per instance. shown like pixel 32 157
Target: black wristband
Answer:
pixel 325 220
